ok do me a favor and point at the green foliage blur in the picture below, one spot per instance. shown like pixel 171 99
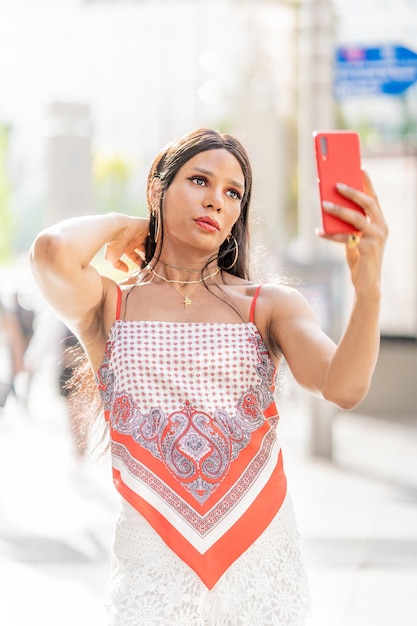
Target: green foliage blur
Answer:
pixel 113 181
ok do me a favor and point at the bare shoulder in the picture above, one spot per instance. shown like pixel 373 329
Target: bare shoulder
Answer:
pixel 281 310
pixel 281 299
pixel 274 300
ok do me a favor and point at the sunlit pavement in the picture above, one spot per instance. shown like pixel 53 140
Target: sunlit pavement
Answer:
pixel 56 519
pixel 357 517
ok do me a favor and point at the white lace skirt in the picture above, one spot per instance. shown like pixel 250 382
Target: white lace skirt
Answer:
pixel 151 585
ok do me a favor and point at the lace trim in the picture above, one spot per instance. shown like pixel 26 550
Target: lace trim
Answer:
pixel 151 585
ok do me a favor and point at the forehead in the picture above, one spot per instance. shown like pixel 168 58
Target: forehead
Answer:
pixel 218 162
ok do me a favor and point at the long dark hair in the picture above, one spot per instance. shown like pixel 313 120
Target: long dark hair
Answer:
pixel 164 168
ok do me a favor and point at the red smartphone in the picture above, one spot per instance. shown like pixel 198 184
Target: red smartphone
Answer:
pixel 338 158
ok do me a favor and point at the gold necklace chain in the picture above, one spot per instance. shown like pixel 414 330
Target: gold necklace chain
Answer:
pixel 180 269
pixel 185 282
pixel 187 300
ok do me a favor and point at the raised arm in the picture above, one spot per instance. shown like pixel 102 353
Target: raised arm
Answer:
pixel 61 263
pixel 341 373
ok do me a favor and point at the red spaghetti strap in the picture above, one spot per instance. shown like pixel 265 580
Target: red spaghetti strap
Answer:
pixel 119 302
pixel 252 307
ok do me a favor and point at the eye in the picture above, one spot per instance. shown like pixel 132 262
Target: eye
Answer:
pixel 234 194
pixel 198 180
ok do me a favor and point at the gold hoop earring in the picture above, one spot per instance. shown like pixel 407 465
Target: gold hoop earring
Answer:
pixel 157 224
pixel 229 237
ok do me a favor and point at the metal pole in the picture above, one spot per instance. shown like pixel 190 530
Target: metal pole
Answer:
pixel 315 111
pixel 315 107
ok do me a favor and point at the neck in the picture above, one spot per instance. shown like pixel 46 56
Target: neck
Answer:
pixel 182 271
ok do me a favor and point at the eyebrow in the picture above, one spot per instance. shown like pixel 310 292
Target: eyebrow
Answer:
pixel 229 180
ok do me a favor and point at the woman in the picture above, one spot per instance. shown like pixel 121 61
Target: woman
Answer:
pixel 185 359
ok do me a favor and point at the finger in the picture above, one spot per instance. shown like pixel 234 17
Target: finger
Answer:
pixel 135 256
pixel 368 186
pixel 357 219
pixel 337 237
pixel 366 201
pixel 113 253
pixel 120 265
pixel 361 198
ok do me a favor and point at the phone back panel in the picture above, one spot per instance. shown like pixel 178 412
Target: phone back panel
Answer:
pixel 338 161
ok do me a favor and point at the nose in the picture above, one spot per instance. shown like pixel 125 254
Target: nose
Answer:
pixel 214 199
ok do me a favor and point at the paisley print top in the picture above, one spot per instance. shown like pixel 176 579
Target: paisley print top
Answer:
pixel 193 423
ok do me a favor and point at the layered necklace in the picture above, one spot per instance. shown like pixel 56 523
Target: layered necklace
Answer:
pixel 173 283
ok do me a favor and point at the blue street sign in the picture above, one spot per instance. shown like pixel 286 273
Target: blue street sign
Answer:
pixel 361 71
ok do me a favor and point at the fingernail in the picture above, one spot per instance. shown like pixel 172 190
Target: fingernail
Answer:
pixel 328 205
pixel 341 186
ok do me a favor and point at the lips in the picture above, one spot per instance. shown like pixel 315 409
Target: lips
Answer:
pixel 208 223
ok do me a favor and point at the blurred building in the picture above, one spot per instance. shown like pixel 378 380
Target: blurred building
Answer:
pixel 142 72
pixel 68 162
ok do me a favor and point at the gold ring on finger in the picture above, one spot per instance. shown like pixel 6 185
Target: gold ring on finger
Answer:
pixel 353 241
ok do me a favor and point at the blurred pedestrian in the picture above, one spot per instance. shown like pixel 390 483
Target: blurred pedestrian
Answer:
pixel 186 354
pixel 5 360
pixel 17 323
pixel 55 346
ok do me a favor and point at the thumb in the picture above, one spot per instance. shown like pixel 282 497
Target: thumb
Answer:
pixel 113 253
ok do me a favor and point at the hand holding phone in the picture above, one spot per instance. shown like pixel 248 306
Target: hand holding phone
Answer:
pixel 338 160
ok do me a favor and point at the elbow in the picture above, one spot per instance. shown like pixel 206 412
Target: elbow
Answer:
pixel 345 399
pixel 46 251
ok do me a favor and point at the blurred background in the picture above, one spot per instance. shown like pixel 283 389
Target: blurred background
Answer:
pixel 90 90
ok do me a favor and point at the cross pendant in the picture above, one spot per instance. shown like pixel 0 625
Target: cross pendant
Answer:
pixel 186 302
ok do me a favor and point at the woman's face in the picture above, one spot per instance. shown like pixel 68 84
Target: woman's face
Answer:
pixel 203 201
